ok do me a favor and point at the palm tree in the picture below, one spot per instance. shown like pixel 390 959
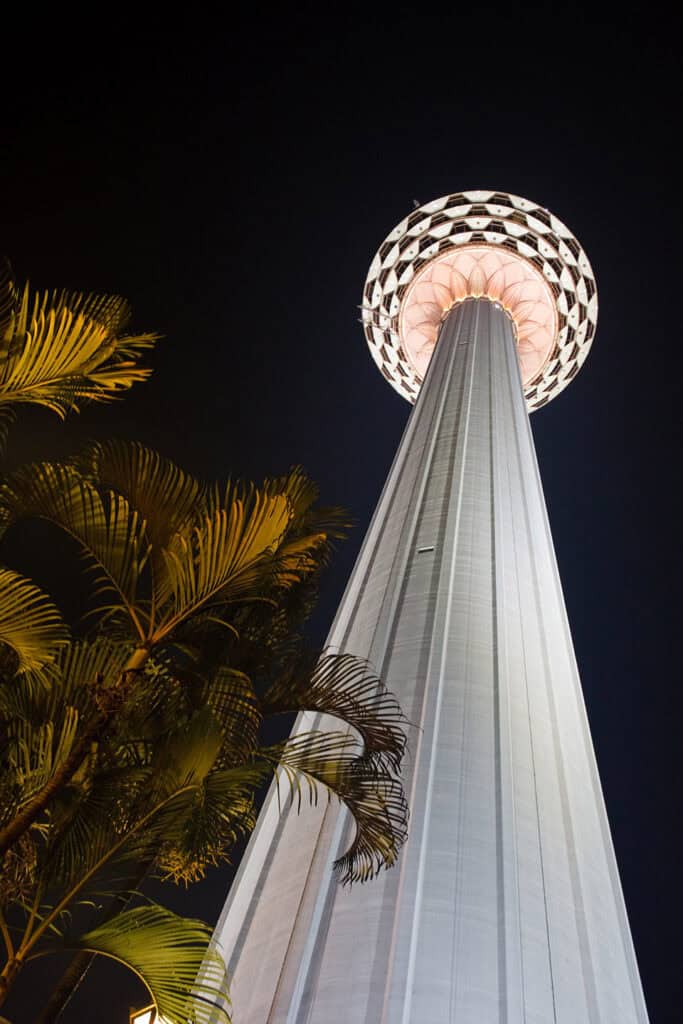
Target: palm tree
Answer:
pixel 139 747
pixel 58 349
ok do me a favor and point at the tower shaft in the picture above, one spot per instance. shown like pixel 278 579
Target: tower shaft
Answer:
pixel 505 906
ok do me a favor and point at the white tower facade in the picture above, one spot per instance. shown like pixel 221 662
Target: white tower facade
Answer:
pixel 506 906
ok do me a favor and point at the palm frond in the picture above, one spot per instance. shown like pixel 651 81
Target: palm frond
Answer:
pixel 301 491
pixel 86 825
pixel 89 665
pixel 164 495
pixel 374 797
pixel 112 535
pixel 7 419
pixel 344 686
pixel 187 756
pixel 172 955
pixel 226 558
pixel 203 630
pixel 77 677
pixel 34 752
pixel 30 624
pixel 379 808
pixel 230 695
pixel 9 298
pixel 63 348
pixel 18 875
pixel 126 812
pixel 332 520
pixel 177 809
pixel 309 542
pixel 221 813
pixel 312 529
pixel 158 707
pixel 156 812
pixel 299 558
pixel 112 311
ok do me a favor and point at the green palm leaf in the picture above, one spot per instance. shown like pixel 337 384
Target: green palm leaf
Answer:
pixel 62 348
pixel 172 956
pixel 301 491
pixel 299 558
pixel 344 686
pixel 86 666
pixel 185 757
pixel 220 813
pixel 9 299
pixel 374 797
pixel 167 497
pixel 230 695
pixel 227 557
pixel 125 813
pixel 306 547
pixel 76 679
pixel 128 812
pixel 111 534
pixel 34 752
pixel 7 418
pixel 112 311
pixel 30 624
pixel 86 826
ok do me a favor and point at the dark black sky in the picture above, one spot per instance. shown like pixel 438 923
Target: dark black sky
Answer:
pixel 234 180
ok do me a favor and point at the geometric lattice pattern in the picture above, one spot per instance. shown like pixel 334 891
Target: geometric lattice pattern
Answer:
pixel 482 218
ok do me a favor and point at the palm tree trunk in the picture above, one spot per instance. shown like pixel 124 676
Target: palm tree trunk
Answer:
pixel 21 822
pixel 9 976
pixel 81 962
pixel 66 987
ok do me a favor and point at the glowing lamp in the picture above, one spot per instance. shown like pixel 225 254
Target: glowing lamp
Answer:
pixel 147 1015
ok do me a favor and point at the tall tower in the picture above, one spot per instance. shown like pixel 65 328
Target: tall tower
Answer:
pixel 506 906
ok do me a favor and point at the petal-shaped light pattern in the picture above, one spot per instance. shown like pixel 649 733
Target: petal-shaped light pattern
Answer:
pixel 476 271
pixel 474 244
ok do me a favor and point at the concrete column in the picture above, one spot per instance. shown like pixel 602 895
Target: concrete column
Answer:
pixel 506 905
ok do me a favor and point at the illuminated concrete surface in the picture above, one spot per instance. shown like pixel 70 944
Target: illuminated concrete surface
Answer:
pixel 506 905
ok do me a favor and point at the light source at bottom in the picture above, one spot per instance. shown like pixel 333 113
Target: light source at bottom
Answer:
pixel 146 1015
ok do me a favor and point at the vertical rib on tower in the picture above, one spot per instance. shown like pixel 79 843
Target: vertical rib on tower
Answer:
pixel 506 905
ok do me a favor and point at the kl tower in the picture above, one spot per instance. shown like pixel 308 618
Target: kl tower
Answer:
pixel 505 906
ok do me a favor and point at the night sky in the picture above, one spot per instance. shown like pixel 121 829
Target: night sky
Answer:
pixel 234 182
